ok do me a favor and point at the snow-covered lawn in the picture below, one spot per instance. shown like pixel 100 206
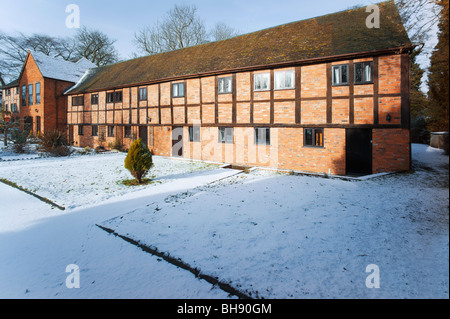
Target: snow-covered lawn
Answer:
pixel 269 234
pixel 279 236
pixel 85 180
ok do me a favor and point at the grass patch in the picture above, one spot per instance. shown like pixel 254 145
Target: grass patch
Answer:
pixel 133 182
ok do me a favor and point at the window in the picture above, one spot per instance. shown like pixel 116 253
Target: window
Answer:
pixel 94 130
pixel 14 108
pixel 30 94
pixel 77 100
pixel 110 131
pixel 284 80
pixel 94 99
pixel 118 96
pixel 142 94
pixel 313 137
pixel 225 85
pixel 127 131
pixel 262 135
pixel 112 97
pixel 80 129
pixel 261 82
pixel 6 107
pixel 340 74
pixel 194 133
pixel 38 93
pixel 363 72
pixel 226 135
pixel 178 90
pixel 24 95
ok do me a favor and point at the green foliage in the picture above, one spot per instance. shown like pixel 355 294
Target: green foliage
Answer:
pixel 20 139
pixel 139 160
pixel 438 80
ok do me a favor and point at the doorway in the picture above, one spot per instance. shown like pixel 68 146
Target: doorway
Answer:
pixel 358 151
pixel 143 134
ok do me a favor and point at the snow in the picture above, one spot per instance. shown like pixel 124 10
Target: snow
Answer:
pixel 56 68
pixel 268 234
pixel 86 180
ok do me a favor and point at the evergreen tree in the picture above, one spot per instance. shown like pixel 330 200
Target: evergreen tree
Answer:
pixel 139 160
pixel 419 102
pixel 438 80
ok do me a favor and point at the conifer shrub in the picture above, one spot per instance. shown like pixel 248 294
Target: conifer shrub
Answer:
pixel 139 160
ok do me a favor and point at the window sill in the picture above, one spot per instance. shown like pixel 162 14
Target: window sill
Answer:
pixel 363 83
pixel 286 89
pixel 311 146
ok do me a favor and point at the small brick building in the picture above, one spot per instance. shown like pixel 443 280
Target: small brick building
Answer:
pixel 41 84
pixel 326 95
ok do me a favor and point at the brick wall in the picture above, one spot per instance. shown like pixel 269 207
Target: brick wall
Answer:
pixel 391 150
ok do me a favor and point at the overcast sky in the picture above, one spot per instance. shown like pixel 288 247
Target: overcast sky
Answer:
pixel 121 19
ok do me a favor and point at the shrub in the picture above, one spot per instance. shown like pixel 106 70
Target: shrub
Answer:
pixel 20 140
pixel 54 143
pixel 138 160
pixel 117 144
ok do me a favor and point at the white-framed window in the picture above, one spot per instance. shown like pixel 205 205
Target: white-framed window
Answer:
pixel 225 85
pixel 178 90
pixel 261 82
pixel 284 80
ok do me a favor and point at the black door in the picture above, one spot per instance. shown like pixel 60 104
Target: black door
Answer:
pixel 28 123
pixel 143 134
pixel 177 141
pixel 358 151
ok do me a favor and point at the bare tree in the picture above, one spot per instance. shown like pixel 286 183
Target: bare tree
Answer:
pixel 95 46
pixel 91 44
pixel 419 18
pixel 221 31
pixel 180 28
pixel 14 48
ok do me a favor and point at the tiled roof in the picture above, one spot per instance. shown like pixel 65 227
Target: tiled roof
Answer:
pixel 326 36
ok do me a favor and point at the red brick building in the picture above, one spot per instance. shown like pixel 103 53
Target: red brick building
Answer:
pixel 9 105
pixel 326 95
pixel 41 85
